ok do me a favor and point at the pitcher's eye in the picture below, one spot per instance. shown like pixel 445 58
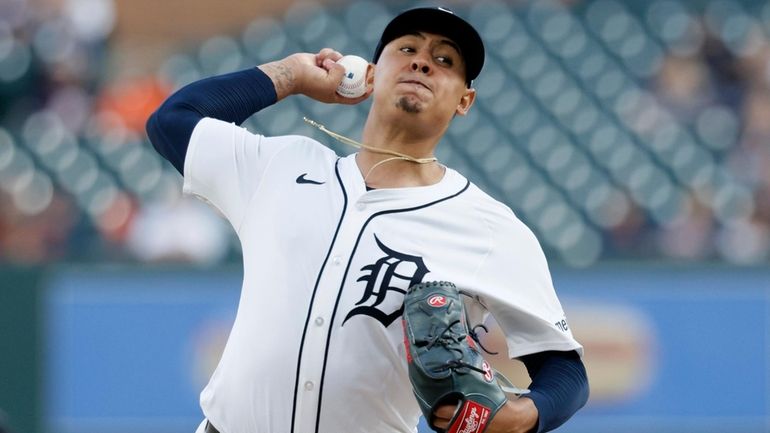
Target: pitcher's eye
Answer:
pixel 445 60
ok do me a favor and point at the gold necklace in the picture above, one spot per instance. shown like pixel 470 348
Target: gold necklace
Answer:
pixel 351 142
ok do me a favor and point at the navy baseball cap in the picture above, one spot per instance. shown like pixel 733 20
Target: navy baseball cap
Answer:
pixel 441 21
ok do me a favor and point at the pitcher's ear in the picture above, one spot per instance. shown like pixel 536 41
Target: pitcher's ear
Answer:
pixel 466 101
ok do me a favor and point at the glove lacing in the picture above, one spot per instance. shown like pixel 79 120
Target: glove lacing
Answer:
pixel 475 337
pixel 447 341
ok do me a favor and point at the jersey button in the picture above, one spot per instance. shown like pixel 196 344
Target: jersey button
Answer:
pixel 337 260
pixel 319 321
pixel 309 385
pixel 360 206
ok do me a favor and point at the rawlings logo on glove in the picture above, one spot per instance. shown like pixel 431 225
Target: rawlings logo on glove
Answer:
pixel 475 421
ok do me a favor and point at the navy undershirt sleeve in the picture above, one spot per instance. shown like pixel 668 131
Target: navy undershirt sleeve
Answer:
pixel 231 97
pixel 559 386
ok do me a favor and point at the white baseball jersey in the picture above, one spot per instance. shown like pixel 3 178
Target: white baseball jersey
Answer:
pixel 317 343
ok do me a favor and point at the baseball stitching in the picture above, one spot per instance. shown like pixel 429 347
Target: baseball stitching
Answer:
pixel 349 87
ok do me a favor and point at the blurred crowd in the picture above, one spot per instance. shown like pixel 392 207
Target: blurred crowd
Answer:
pixel 55 65
pixel 719 87
pixel 55 58
pixel 716 78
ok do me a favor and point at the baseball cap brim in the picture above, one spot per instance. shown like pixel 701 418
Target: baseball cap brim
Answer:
pixel 440 21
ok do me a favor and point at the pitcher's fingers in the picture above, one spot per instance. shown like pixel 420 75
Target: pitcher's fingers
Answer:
pixel 445 412
pixel 327 53
pixel 443 424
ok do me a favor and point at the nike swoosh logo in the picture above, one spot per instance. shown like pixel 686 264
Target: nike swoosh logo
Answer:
pixel 301 179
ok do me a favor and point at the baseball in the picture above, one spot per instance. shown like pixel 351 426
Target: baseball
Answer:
pixel 353 83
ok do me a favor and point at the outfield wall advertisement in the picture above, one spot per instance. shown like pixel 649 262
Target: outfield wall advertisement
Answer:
pixel 666 349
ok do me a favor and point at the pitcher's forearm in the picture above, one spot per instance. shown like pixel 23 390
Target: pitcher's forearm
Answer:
pixel 283 77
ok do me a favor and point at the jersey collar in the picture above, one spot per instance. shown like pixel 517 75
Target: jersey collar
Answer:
pixel 451 183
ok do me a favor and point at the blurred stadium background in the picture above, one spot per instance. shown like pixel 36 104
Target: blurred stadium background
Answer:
pixel 632 136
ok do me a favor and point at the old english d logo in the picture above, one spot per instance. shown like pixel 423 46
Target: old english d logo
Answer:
pixel 393 272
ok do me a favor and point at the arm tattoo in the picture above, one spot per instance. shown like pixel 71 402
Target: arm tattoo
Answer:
pixel 282 77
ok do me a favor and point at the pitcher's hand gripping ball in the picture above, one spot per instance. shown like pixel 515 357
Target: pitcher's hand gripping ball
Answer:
pixel 445 366
pixel 353 83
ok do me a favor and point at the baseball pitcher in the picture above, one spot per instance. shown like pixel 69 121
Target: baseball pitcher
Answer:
pixel 367 278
